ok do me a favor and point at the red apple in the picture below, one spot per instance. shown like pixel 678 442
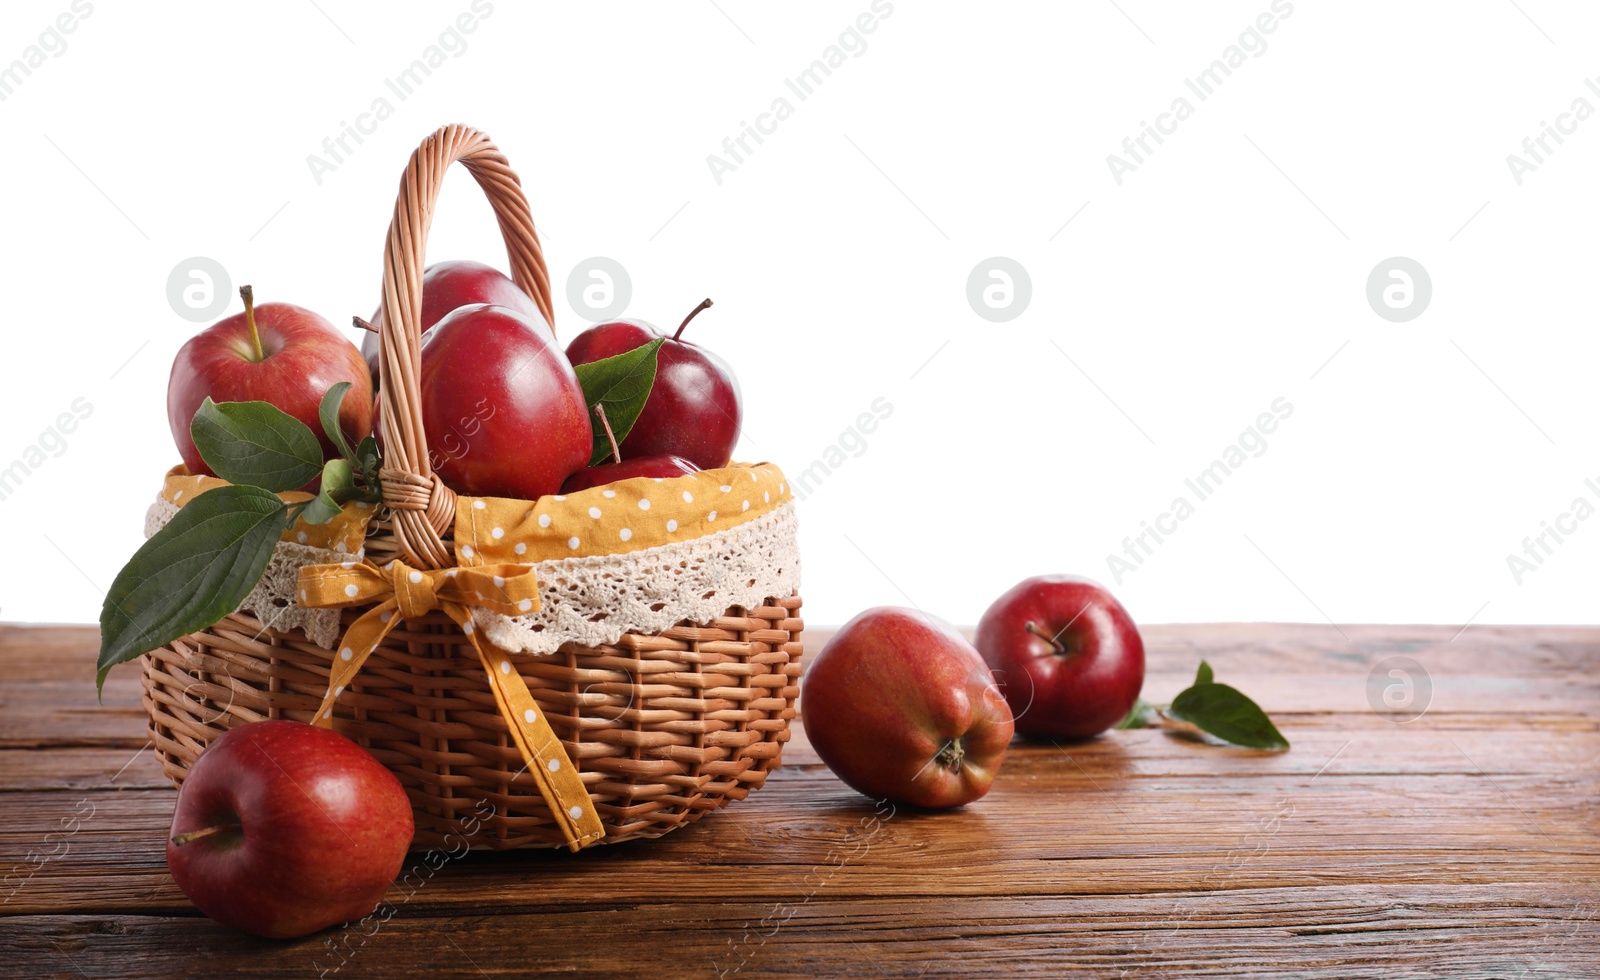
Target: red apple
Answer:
pixel 599 474
pixel 501 407
pixel 1068 656
pixel 900 706
pixel 283 829
pixel 694 408
pixel 448 286
pixel 661 467
pixel 277 353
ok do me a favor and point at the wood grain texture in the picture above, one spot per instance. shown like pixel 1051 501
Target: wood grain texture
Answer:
pixel 1465 843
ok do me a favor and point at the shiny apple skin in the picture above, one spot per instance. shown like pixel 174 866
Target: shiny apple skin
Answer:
pixel 695 407
pixel 324 829
pixel 305 356
pixel 448 286
pixel 889 690
pixel 1072 695
pixel 659 467
pixel 501 407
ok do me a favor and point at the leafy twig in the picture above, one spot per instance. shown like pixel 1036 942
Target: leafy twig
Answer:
pixel 1218 710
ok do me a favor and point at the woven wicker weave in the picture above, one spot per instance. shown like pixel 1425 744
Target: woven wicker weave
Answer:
pixel 663 728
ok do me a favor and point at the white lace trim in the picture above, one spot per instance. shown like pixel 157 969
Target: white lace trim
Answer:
pixel 591 601
pixel 273 599
pixel 594 601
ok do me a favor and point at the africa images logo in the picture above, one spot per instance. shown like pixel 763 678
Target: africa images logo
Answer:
pixel 1251 43
pixel 1252 442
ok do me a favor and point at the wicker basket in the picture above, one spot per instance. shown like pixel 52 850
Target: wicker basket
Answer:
pixel 661 728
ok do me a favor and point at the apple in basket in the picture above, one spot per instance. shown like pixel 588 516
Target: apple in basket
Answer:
pixel 694 407
pixel 1067 655
pixel 901 707
pixel 659 467
pixel 283 829
pixel 448 286
pixel 599 474
pixel 277 353
pixel 502 409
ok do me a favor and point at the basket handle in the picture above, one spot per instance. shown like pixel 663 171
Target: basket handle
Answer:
pixel 423 508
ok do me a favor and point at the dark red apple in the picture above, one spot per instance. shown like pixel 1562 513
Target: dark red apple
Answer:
pixel 277 353
pixel 901 707
pixel 661 467
pixel 599 474
pixel 283 829
pixel 694 409
pixel 448 286
pixel 1068 656
pixel 501 407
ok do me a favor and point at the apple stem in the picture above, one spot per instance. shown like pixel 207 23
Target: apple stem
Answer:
pixel 249 297
pixel 364 325
pixel 951 754
pixel 193 835
pixel 616 451
pixel 1054 643
pixel 692 314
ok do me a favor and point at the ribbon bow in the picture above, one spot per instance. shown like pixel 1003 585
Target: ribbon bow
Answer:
pixel 402 592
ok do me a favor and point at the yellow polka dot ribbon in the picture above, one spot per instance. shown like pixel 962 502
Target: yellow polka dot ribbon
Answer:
pixel 618 518
pixel 344 532
pixel 402 592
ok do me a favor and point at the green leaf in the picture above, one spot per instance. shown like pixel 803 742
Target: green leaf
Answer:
pixel 621 384
pixel 256 444
pixel 367 456
pixel 1203 675
pixel 191 573
pixel 319 510
pixel 1142 715
pixel 338 483
pixel 328 413
pixel 1227 713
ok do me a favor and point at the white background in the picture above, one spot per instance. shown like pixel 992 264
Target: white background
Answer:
pixel 1227 271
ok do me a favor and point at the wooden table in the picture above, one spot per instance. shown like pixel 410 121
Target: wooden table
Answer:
pixel 1465 843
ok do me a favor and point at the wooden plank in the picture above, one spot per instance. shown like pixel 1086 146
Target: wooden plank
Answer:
pixel 1459 844
pixel 76 769
pixel 1433 744
pixel 48 695
pixel 1125 811
pixel 1342 931
pixel 1265 649
pixel 1498 675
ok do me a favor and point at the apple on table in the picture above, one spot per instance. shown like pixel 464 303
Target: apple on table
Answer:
pixel 283 829
pixel 901 707
pixel 1066 653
